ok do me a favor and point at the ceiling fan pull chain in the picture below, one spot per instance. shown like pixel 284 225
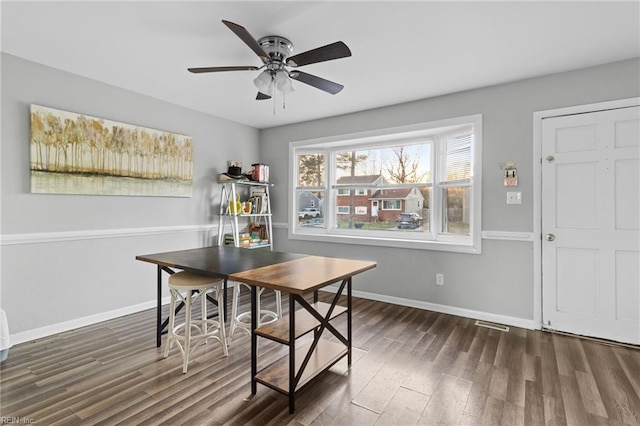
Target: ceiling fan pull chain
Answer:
pixel 273 90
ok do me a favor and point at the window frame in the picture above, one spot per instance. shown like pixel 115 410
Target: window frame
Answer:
pixel 433 240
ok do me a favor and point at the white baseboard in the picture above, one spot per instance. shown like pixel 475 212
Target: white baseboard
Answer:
pixel 50 330
pixel 27 336
pixel 445 309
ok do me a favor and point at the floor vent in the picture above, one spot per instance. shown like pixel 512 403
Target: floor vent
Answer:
pixel 492 326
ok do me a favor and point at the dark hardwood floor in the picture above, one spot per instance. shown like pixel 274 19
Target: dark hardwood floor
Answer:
pixel 410 366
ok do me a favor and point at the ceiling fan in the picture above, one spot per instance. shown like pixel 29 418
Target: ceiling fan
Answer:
pixel 275 53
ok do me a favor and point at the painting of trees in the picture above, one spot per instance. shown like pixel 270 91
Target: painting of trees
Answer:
pixel 65 143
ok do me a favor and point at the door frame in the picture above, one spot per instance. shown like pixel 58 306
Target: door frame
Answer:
pixel 538 116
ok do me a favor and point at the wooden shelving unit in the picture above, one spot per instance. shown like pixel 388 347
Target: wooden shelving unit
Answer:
pixel 325 354
pixel 305 322
pixel 320 353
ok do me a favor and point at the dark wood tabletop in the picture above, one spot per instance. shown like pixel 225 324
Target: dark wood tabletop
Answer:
pixel 288 272
pixel 219 261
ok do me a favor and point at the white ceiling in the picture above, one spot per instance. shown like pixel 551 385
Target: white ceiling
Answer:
pixel 402 51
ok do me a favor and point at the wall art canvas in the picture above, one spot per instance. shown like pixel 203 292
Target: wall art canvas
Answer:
pixel 78 154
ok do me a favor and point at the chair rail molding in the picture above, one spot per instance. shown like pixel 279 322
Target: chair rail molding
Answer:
pixel 508 235
pixel 92 234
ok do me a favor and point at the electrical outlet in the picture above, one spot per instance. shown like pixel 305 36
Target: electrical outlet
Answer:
pixel 439 279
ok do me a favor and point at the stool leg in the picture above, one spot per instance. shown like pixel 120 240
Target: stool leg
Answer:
pixel 259 310
pixel 203 311
pixel 221 308
pixel 187 333
pixel 170 339
pixel 234 310
pixel 278 304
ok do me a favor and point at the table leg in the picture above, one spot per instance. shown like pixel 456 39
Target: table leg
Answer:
pixel 159 309
pixel 349 308
pixel 254 339
pixel 292 353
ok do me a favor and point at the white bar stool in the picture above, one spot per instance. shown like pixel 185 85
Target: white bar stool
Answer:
pixel 186 287
pixel 242 320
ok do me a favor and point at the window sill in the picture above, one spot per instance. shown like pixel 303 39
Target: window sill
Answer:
pixel 324 236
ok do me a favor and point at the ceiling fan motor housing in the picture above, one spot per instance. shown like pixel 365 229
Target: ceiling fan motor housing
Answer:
pixel 278 48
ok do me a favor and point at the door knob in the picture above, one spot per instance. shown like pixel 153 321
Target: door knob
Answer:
pixel 549 237
pixel 550 159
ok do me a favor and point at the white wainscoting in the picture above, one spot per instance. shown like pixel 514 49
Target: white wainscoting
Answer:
pixel 58 281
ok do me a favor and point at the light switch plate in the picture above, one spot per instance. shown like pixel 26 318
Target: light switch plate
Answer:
pixel 514 197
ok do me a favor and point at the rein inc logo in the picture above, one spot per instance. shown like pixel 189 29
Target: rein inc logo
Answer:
pixel 6 420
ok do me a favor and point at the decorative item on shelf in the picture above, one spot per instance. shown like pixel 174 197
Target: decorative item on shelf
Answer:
pixel 228 240
pixel 234 173
pixel 258 232
pixel 260 173
pixel 235 207
pixel 258 204
pixel 245 239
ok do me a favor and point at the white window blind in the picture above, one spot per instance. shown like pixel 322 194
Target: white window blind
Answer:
pixel 456 158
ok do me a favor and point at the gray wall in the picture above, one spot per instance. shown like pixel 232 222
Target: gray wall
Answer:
pixel 500 280
pixel 87 273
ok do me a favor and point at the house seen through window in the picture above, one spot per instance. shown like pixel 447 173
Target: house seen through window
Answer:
pixel 406 187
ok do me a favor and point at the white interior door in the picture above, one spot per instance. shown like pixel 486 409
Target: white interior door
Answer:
pixel 591 224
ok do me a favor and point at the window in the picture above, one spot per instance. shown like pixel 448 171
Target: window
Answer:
pixel 411 187
pixel 391 204
pixel 361 210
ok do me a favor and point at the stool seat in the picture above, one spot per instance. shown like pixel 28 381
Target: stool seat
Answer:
pixel 186 287
pixel 186 278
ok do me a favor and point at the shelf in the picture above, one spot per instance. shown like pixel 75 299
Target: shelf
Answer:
pixel 256 246
pixel 246 214
pixel 245 182
pixel 326 353
pixel 305 322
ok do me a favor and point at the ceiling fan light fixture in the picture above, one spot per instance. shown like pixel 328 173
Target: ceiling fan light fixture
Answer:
pixel 263 82
pixel 282 82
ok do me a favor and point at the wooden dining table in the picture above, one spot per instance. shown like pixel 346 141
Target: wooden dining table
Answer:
pixel 300 276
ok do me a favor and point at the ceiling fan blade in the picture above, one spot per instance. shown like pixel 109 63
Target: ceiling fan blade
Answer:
pixel 248 39
pixel 317 82
pixel 261 96
pixel 329 52
pixel 219 69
